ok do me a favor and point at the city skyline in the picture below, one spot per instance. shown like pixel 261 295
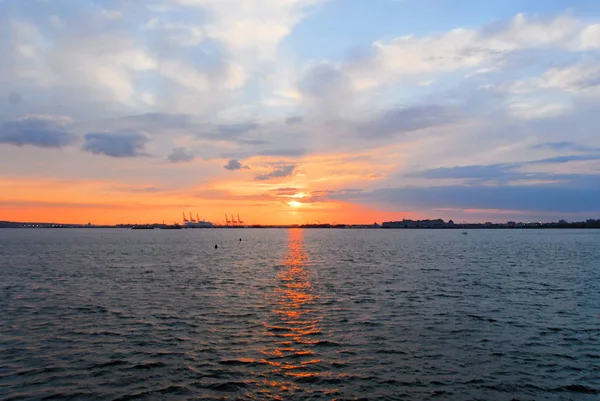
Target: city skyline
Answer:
pixel 299 111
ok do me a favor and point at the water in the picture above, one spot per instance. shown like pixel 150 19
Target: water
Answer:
pixel 299 314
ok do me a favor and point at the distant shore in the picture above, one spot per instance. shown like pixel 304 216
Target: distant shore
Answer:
pixel 393 225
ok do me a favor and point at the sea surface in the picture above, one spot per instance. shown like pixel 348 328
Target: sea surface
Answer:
pixel 115 314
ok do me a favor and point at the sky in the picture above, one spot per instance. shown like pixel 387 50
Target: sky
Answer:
pixel 299 111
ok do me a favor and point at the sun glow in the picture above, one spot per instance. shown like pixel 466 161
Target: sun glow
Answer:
pixel 294 203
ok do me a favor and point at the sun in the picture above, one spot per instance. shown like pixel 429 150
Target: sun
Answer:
pixel 294 203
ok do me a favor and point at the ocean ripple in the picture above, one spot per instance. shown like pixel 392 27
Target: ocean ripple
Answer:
pixel 299 314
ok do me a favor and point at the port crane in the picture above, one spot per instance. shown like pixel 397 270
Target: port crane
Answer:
pixel 239 221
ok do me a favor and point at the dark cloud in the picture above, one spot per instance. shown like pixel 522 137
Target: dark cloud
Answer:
pixel 506 172
pixel 294 120
pixel 359 55
pixel 244 141
pixel 566 159
pixel 286 191
pixel 14 98
pixel 540 198
pixel 41 131
pixel 322 80
pixel 181 155
pixel 403 120
pixel 241 133
pixel 234 164
pixel 284 152
pixel 476 172
pixel 346 194
pixel 280 171
pixel 550 198
pixel 494 187
pixel 231 132
pixel 115 144
pixel 566 145
pixel 161 120
pixel 327 89
pixel 554 145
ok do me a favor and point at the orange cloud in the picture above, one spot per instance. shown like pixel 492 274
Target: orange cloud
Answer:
pixel 296 198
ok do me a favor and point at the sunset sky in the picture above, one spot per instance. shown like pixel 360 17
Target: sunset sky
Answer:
pixel 296 111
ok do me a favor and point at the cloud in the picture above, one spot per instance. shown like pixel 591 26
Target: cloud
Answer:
pixel 115 144
pixel 181 155
pixel 252 27
pixel 579 77
pixel 112 65
pixel 475 172
pixel 525 200
pixel 505 104
pixel 543 198
pixel 37 130
pixel 291 152
pixel 160 120
pixel 493 48
pixel 567 159
pixel 563 145
pixel 104 59
pixel 402 120
pixel 345 194
pixel 235 165
pixel 327 88
pixel 234 130
pixel 14 98
pixel 280 171
pixel 517 173
pixel 295 120
pixel 287 191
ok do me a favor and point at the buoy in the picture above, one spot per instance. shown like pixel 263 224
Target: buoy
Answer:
pixel 216 246
pixel 240 239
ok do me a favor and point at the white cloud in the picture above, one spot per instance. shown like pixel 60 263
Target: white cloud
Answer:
pixel 103 63
pixel 590 37
pixel 530 108
pixel 252 26
pixel 579 77
pixel 482 51
pixel 184 74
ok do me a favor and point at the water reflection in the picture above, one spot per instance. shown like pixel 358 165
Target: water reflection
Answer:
pixel 294 327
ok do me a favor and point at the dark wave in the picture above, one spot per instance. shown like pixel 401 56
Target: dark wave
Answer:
pixel 578 388
pixel 227 387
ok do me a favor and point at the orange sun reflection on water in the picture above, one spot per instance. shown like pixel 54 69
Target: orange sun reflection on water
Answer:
pixel 294 326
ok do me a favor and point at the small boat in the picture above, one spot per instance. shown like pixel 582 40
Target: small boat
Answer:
pixel 464 233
